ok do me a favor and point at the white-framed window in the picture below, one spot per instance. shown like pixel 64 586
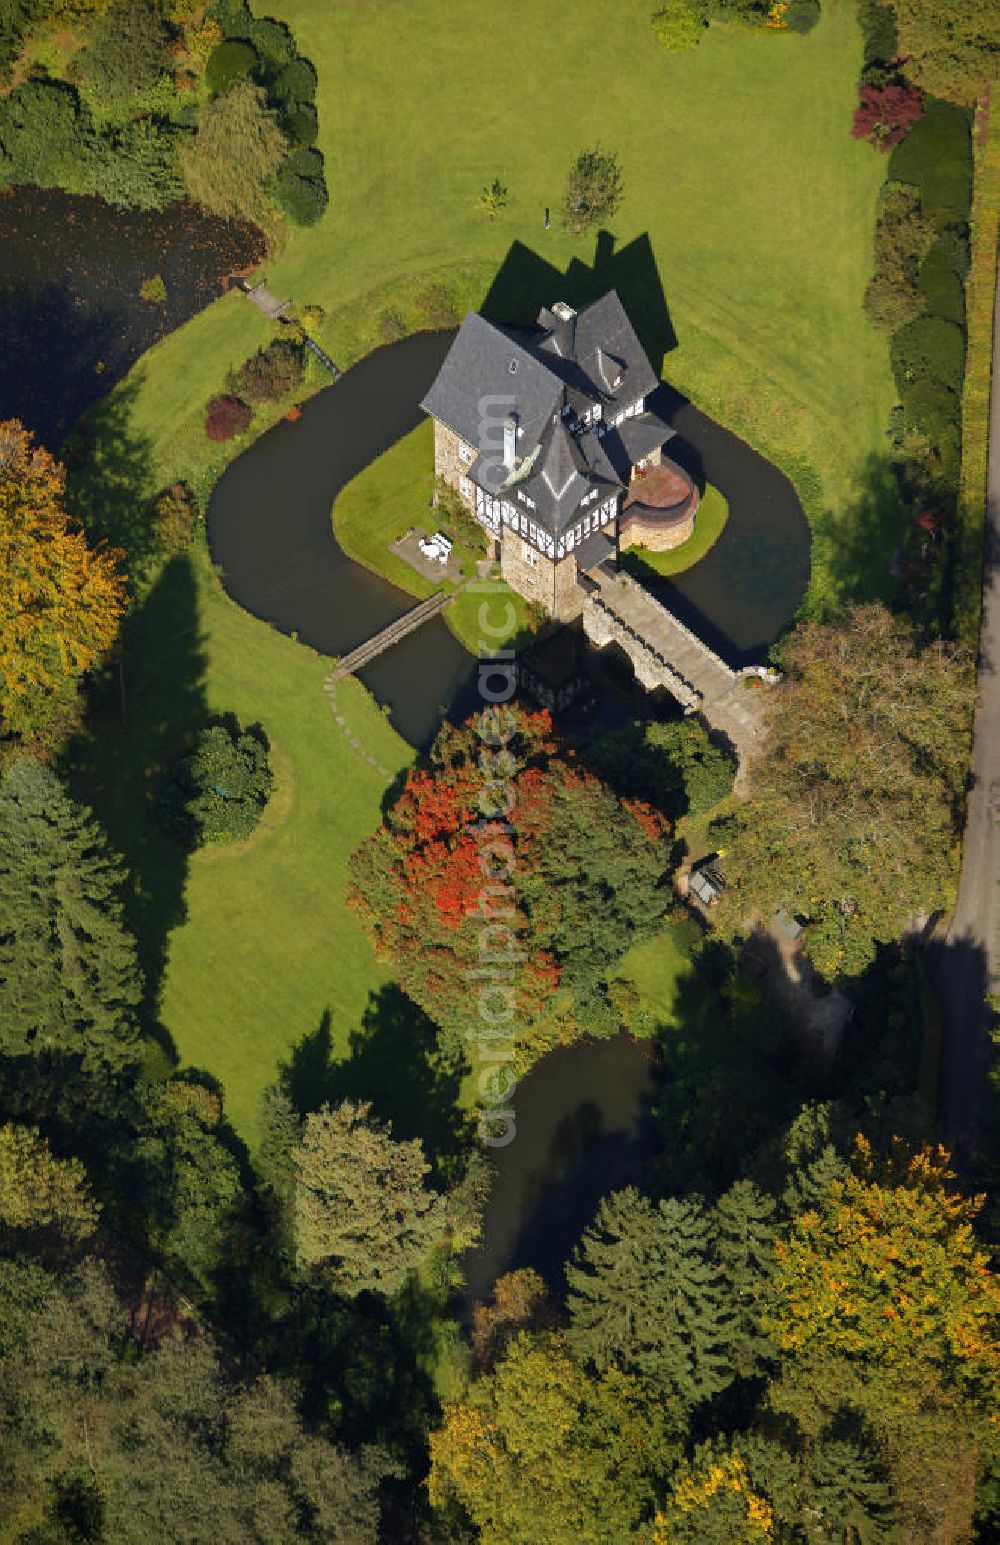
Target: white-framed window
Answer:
pixel 570 541
pixel 598 411
pixel 530 556
pixel 465 487
pixel 466 454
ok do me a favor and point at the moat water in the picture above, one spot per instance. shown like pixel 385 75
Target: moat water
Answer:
pixel 72 319
pixel 72 322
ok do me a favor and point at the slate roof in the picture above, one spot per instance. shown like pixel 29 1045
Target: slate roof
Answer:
pixel 476 387
pixel 570 359
pixel 593 550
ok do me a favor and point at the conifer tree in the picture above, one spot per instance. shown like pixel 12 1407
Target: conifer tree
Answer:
pixel 744 1230
pixel 644 1296
pixel 69 980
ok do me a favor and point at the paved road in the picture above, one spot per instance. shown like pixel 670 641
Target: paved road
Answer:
pixel 967 964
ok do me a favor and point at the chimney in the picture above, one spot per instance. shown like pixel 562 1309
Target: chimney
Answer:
pixel 565 328
pixel 510 441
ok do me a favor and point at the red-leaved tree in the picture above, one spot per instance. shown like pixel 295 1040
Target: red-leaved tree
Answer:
pixel 226 417
pixel 520 849
pixel 885 114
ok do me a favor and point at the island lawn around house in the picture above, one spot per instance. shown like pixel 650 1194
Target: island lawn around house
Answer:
pixel 384 502
pixel 764 279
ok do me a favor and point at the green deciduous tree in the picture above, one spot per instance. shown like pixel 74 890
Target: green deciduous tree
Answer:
pixel 363 1211
pixel 219 792
pixel 125 52
pixel 644 1295
pixel 43 1199
pixel 540 1449
pixel 594 189
pixel 679 24
pixel 857 797
pixel 235 150
pixel 952 47
pixel 191 1187
pixel 69 982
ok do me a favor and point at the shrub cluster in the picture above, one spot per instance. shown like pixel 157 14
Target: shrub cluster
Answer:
pixel 272 373
pixel 226 417
pixel 916 294
pixel 218 793
pixel 118 122
pixel 174 512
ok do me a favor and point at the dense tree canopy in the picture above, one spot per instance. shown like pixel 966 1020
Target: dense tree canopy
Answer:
pixel 856 807
pixel 61 601
pixel 43 1199
pixel 542 1450
pixel 102 1442
pixel 564 874
pixel 952 47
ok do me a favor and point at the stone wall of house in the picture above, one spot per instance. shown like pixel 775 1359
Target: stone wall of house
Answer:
pixel 447 461
pixel 550 585
pixel 644 528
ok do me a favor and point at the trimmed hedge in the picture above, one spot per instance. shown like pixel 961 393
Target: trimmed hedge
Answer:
pixel 936 158
pixel 929 347
pixel 301 188
pixel 940 287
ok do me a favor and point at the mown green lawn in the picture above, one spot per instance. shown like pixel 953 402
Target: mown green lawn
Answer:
pixel 739 167
pixel 250 945
pixel 758 208
pixel 383 502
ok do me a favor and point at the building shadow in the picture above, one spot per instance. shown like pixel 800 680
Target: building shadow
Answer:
pixel 525 282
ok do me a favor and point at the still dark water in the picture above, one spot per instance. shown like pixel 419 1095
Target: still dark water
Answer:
pixel 269 525
pixel 584 1127
pixel 72 321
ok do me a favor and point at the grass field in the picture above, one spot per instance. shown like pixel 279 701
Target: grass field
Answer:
pixel 251 944
pixel 757 204
pixel 748 214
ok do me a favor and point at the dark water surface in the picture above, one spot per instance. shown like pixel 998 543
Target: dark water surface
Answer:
pixel 270 529
pixel 72 321
pixel 584 1127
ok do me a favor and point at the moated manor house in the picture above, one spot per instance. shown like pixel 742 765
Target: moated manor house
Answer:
pixel 545 434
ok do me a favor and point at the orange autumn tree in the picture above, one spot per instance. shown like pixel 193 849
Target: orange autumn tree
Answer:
pixel 507 850
pixel 60 600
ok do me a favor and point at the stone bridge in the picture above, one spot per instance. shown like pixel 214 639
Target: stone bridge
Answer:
pixel 664 653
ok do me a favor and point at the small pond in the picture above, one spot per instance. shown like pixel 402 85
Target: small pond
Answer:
pixel 72 321
pixel 584 1126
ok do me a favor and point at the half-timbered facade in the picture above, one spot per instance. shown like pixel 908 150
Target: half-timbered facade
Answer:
pixel 547 436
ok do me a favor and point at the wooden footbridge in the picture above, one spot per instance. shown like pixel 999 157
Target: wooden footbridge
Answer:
pixel 399 629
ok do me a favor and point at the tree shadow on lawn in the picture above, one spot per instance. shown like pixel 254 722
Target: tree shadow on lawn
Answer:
pixel 396 1063
pixel 856 545
pixel 142 717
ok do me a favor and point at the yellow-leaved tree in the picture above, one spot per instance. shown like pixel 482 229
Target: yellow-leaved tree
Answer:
pixel 61 601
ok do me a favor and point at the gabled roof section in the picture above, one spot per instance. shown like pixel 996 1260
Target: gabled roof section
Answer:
pixel 561 479
pixel 486 375
pixel 606 344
